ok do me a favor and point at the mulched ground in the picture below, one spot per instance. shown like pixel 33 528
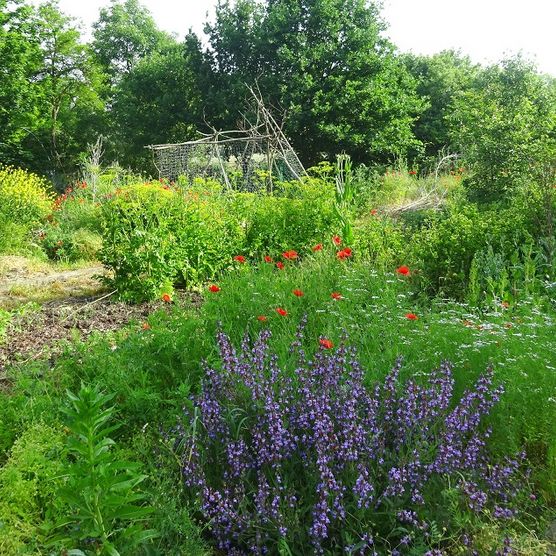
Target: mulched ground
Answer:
pixel 38 334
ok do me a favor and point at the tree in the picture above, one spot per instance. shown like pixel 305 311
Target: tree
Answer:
pixel 124 34
pixel 20 58
pixel 505 126
pixel 441 78
pixel 325 62
pixel 159 100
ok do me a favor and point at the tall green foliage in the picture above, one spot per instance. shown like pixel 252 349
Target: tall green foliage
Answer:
pixel 327 63
pixel 505 127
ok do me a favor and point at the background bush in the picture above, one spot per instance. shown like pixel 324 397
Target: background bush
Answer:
pixel 25 201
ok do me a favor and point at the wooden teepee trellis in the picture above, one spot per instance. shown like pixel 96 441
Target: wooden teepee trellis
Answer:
pixel 256 153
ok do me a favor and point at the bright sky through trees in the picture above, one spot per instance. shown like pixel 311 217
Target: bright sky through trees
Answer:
pixel 487 30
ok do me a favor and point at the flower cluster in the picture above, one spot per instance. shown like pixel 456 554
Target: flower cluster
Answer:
pixel 312 457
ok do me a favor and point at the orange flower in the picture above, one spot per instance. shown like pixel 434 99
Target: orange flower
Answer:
pixel 337 240
pixel 281 312
pixel 280 265
pixel 411 316
pixel 166 297
pixel 298 293
pixel 336 295
pixel 412 172
pixel 403 270
pixel 290 255
pixel 325 343
pixel 374 212
pixel 214 288
pixel 505 304
pixel 146 326
pixel 317 247
pixel 239 259
pixel 268 259
pixel 262 318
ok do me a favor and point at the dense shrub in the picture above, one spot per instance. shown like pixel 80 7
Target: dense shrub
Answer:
pixel 25 200
pixel 315 458
pixel 296 216
pixel 155 236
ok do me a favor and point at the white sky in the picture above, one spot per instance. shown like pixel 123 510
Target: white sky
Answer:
pixel 486 30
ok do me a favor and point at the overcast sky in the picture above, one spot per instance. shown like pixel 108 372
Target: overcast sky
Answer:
pixel 486 30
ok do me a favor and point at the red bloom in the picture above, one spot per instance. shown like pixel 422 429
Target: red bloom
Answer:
pixel 298 293
pixel 146 326
pixel 290 255
pixel 411 316
pixel 167 297
pixel 239 259
pixel 317 247
pixel 325 343
pixel 280 265
pixel 412 172
pixel 344 253
pixel 505 304
pixel 336 295
pixel 267 259
pixel 337 240
pixel 262 318
pixel 281 312
pixel 403 270
pixel 214 288
pixel 374 212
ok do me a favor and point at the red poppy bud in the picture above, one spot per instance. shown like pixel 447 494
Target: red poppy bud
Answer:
pixel 337 240
pixel 262 318
pixel 317 247
pixel 281 312
pixel 267 259
pixel 214 288
pixel 336 295
pixel 298 293
pixel 280 265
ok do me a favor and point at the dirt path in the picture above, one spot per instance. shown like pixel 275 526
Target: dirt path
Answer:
pixel 22 280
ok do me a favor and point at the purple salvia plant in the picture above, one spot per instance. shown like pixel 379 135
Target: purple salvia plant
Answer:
pixel 316 461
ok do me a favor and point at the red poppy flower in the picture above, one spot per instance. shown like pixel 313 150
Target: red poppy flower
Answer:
pixel 290 255
pixel 325 343
pixel 298 293
pixel 280 265
pixel 412 172
pixel 146 326
pixel 336 295
pixel 374 212
pixel 239 259
pixel 317 247
pixel 214 288
pixel 281 312
pixel 337 240
pixel 166 297
pixel 403 270
pixel 267 259
pixel 262 318
pixel 344 253
pixel 411 316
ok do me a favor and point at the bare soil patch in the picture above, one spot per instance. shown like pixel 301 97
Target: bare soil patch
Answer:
pixel 39 334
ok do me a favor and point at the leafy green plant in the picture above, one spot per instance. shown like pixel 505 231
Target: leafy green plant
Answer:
pixel 108 511
pixel 29 481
